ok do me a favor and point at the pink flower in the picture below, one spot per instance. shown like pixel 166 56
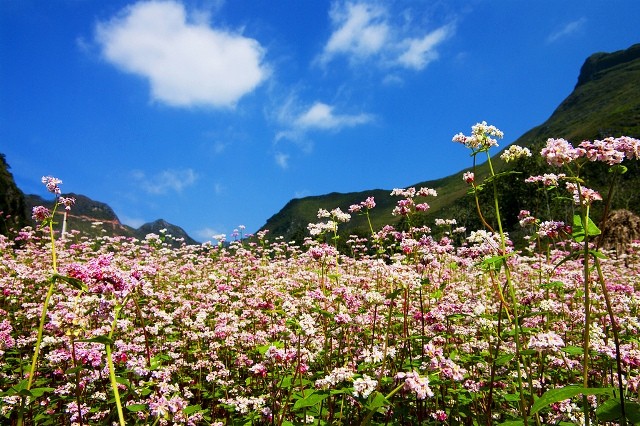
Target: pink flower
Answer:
pixel 67 202
pixel 52 184
pixel 559 152
pixel 586 196
pixel 40 213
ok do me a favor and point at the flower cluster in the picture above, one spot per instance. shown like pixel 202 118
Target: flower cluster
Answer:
pixel 582 195
pixel 368 204
pixel 547 179
pixel 413 382
pixel 514 152
pixel 559 152
pixel 363 386
pixel 407 205
pixel 480 138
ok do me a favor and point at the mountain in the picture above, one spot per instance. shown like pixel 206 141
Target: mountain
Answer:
pixel 94 218
pixel 11 200
pixel 605 102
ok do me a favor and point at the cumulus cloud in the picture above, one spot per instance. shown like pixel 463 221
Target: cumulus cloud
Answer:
pixel 317 117
pixel 321 116
pixel 363 30
pixel 165 181
pixel 360 29
pixel 187 62
pixel 567 30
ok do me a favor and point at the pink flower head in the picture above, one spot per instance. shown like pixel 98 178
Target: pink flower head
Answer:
pixel 52 184
pixel 559 152
pixel 630 147
pixel 40 213
pixel 469 177
pixel 586 196
pixel 551 229
pixel 67 202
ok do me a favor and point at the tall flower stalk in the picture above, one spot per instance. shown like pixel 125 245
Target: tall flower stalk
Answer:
pixel 46 218
pixel 612 151
pixel 483 137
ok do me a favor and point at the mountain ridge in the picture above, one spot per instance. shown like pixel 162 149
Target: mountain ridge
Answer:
pixel 605 102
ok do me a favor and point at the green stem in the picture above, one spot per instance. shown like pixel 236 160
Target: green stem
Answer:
pixel 616 339
pixel 512 294
pixel 584 216
pixel 43 315
pixel 112 372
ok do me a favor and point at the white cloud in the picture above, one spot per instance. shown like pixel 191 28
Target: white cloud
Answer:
pixel 186 61
pixel 134 222
pixel 321 116
pixel 205 234
pixel 421 51
pixel 282 160
pixel 317 117
pixel 567 30
pixel 362 30
pixel 165 181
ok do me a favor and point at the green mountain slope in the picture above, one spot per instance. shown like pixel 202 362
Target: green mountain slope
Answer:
pixel 605 102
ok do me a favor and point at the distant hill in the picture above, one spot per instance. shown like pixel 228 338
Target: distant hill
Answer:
pixel 91 218
pixel 605 102
pixel 11 200
pixel 94 218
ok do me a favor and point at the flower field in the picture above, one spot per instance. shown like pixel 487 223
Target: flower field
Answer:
pixel 404 329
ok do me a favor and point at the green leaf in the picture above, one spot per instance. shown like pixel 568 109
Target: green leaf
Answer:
pixel 573 350
pixel 609 411
pixel 310 400
pixel 493 263
pixel 618 169
pixel 512 423
pixel 376 400
pixel 192 409
pixel 560 394
pixel 503 359
pixel 580 231
pixel 73 282
pixel 136 407
pixel 37 392
pixel 105 340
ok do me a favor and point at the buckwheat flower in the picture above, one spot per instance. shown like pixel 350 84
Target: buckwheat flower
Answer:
pixel 340 216
pixel 480 136
pixel 355 208
pixel 67 202
pixel 323 213
pixel 559 152
pixel 422 207
pixel 514 152
pixel 52 184
pixel 525 218
pixel 586 196
pixel 469 177
pixel 362 387
pixel 426 192
pixel 369 203
pixel 629 146
pixel 551 229
pixel 547 179
pixel 605 151
pixel 40 213
pixel 546 341
pixel 414 383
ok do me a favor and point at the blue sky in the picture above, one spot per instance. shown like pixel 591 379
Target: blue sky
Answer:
pixel 212 114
